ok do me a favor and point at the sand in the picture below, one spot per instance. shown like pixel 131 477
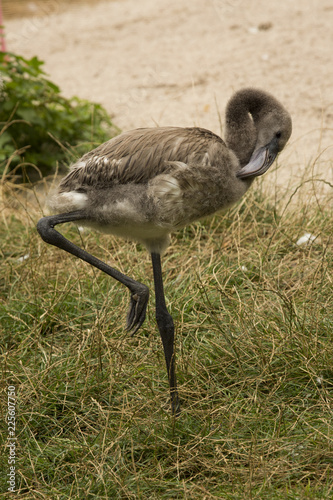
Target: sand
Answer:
pixel 177 62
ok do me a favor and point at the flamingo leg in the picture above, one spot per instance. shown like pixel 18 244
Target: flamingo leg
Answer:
pixel 166 329
pixel 139 292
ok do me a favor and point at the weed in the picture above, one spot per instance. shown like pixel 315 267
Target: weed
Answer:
pixel 41 127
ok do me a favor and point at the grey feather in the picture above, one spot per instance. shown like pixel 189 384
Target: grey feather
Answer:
pixel 148 182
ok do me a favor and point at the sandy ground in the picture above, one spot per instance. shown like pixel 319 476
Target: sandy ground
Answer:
pixel 176 62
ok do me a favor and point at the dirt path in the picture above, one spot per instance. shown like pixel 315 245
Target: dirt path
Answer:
pixel 177 62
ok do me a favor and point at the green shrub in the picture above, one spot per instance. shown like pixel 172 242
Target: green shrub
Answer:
pixel 40 127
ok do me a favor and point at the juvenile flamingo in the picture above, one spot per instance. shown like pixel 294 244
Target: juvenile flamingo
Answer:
pixel 148 182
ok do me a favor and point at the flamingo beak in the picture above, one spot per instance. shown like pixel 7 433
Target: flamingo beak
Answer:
pixel 260 161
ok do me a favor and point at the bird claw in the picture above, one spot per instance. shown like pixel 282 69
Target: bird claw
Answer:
pixel 137 310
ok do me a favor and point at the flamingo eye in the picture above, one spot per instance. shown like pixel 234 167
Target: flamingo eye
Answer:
pixel 278 134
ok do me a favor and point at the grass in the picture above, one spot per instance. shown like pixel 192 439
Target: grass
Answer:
pixel 254 321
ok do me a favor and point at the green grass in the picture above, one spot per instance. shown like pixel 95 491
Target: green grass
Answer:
pixel 254 323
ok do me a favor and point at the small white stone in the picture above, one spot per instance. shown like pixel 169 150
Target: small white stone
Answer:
pixel 23 258
pixel 306 239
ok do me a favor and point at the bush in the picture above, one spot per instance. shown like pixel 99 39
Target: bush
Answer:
pixel 40 127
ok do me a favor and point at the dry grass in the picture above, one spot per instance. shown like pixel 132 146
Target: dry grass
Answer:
pixel 254 320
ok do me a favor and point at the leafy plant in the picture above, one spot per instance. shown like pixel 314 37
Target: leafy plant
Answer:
pixel 39 127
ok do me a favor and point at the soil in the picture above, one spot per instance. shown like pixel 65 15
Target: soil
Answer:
pixel 177 62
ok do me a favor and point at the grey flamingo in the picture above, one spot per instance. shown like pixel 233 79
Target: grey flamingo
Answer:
pixel 148 182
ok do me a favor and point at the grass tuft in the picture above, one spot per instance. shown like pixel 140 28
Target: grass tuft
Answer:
pixel 254 320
